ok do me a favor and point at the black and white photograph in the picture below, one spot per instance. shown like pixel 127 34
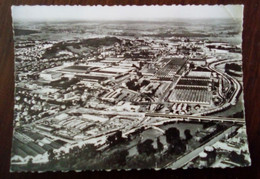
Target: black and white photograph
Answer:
pixel 128 87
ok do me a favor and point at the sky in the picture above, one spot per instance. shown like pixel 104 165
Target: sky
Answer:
pixel 63 13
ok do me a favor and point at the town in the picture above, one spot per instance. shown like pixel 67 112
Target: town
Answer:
pixel 153 102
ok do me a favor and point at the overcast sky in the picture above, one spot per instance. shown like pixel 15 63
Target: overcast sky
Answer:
pixel 63 13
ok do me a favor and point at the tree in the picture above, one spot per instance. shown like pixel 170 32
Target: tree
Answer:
pixel 237 158
pixel 111 139
pixel 120 157
pixel 187 134
pixel 172 135
pixel 146 147
pixel 51 155
pixel 159 145
pixel 178 148
pixel 239 114
pixel 81 103
pixel 145 83
pixel 90 150
pixel 30 164
pixel 115 138
pixel 141 161
pixel 192 65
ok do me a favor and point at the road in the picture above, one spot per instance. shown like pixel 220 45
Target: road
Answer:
pixel 183 160
pixel 231 80
pixel 162 99
pixel 231 101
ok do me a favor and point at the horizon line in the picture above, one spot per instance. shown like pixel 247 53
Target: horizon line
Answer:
pixel 124 20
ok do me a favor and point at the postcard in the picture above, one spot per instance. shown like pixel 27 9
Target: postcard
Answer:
pixel 128 87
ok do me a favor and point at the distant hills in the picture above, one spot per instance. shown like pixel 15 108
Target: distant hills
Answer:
pixel 18 32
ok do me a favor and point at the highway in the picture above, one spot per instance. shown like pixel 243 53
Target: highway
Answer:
pixel 197 118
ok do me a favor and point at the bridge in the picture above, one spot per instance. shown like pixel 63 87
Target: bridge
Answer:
pixel 197 118
pixel 156 128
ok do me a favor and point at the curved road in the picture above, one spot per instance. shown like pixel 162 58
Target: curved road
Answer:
pixel 231 80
